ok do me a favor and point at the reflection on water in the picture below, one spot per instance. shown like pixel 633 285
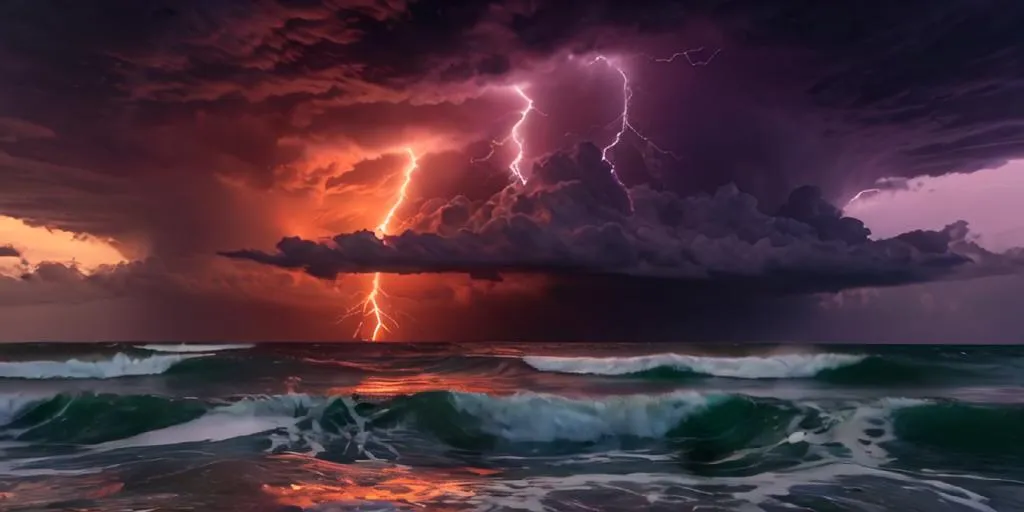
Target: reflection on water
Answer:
pixel 386 384
pixel 394 386
pixel 355 484
pixel 266 483
pixel 55 492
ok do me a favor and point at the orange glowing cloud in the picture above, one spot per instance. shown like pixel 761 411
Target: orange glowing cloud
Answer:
pixel 39 244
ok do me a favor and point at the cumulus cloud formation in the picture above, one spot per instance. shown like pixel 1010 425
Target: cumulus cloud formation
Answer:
pixel 288 97
pixel 574 218
pixel 8 251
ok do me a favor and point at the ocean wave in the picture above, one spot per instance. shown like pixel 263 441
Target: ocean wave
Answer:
pixel 192 347
pixel 115 421
pixel 121 365
pixel 11 404
pixel 89 418
pixel 705 429
pixel 751 367
pixel 535 417
pixel 246 417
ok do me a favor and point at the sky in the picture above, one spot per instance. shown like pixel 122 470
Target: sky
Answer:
pixel 462 170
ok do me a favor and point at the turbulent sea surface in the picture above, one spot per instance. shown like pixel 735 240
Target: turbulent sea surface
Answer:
pixel 575 427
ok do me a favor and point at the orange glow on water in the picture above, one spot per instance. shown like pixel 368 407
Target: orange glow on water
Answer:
pixel 409 385
pixel 375 482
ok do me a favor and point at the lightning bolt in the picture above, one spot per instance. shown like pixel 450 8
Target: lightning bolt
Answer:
pixel 627 96
pixel 625 125
pixel 861 194
pixel 686 55
pixel 515 136
pixel 370 306
pixel 382 228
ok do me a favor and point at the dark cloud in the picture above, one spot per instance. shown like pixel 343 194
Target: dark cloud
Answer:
pixel 188 90
pixel 180 129
pixel 13 130
pixel 575 219
pixel 8 251
pixel 201 299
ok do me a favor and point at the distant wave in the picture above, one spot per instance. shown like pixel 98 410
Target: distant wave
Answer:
pixel 190 347
pixel 705 427
pixel 121 365
pixel 457 417
pixel 752 367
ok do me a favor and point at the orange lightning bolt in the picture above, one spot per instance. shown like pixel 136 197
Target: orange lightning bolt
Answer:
pixel 370 306
pixel 516 137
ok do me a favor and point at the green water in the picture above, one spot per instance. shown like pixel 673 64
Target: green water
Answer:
pixel 511 427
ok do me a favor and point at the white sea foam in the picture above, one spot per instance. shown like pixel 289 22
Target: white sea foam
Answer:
pixel 279 417
pixel 781 366
pixel 247 417
pixel 240 419
pixel 11 405
pixel 545 493
pixel 535 417
pixel 191 347
pixel 121 365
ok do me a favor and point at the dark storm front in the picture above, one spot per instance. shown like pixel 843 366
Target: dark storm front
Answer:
pixel 511 427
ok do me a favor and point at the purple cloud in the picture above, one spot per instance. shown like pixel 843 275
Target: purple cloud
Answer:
pixel 572 218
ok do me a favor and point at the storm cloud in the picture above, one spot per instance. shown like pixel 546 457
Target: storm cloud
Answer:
pixel 180 130
pixel 8 251
pixel 575 219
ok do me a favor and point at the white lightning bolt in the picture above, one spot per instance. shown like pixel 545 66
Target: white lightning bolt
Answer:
pixel 861 194
pixel 625 124
pixel 627 95
pixel 515 136
pixel 686 55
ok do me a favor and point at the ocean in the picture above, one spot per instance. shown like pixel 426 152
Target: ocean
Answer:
pixel 505 426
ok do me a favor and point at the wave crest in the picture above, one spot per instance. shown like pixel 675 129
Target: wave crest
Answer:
pixel 786 366
pixel 708 431
pixel 193 347
pixel 534 417
pixel 121 365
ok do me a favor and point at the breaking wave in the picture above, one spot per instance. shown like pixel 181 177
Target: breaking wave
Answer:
pixel 750 367
pixel 121 365
pixel 704 429
pixel 192 347
pixel 849 369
